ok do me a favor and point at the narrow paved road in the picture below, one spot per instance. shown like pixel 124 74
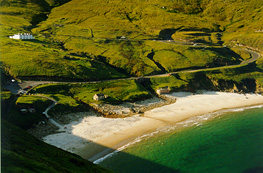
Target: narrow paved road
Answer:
pixel 46 112
pixel 16 86
pixel 255 56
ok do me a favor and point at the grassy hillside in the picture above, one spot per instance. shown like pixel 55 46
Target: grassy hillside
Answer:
pixel 144 19
pixel 93 31
pixel 21 16
pixel 82 39
pixel 21 152
pixel 41 58
pixel 117 91
pixel 133 19
pixel 38 58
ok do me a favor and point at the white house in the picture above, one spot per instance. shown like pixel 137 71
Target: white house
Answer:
pixel 99 96
pixel 25 36
pixel 163 90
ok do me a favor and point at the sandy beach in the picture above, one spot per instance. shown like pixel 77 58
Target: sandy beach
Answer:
pixel 93 137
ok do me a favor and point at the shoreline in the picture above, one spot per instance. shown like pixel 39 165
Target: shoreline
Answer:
pixel 94 137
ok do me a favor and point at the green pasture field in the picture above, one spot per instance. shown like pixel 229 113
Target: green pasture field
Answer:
pixel 117 91
pixel 173 82
pixel 84 43
pixel 36 58
pixel 30 99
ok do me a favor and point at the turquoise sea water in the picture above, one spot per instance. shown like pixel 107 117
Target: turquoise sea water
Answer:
pixel 229 141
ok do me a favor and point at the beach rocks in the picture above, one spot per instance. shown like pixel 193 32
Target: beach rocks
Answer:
pixel 67 118
pixel 128 109
pixel 42 129
pixel 112 110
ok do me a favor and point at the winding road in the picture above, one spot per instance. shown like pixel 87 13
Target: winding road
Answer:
pixel 16 86
pixel 46 112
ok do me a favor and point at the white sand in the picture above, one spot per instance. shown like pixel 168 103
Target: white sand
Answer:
pixel 92 135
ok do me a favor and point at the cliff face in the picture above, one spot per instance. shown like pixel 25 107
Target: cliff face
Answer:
pixel 203 81
pixel 259 88
pixel 246 86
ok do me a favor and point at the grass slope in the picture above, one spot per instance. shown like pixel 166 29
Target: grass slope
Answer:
pixel 36 58
pixel 85 36
pixel 21 152
pixel 22 15
pixel 117 91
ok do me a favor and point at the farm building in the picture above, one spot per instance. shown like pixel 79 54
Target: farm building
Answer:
pixel 163 90
pixel 25 36
pixel 99 96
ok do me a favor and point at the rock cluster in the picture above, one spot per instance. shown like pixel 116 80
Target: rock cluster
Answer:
pixel 69 117
pixel 129 109
pixel 108 110
pixel 42 129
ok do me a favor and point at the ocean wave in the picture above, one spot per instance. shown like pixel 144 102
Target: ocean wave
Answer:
pixel 138 139
pixel 193 121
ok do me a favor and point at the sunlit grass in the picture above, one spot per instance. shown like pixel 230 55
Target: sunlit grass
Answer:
pixel 117 91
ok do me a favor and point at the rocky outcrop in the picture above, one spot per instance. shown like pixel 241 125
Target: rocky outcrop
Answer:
pixel 245 86
pixel 128 109
pixel 207 82
pixel 42 129
pixel 259 88
pixel 108 110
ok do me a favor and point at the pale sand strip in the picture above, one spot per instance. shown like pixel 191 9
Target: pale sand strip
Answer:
pixel 113 133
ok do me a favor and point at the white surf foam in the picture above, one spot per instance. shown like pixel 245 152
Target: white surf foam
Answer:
pixel 193 121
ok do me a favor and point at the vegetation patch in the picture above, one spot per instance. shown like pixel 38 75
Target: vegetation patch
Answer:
pixel 29 59
pixel 21 115
pixel 5 95
pixel 39 157
pixel 115 39
pixel 117 91
pixel 174 82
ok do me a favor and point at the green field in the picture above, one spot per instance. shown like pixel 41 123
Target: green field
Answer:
pixel 40 59
pixel 117 91
pixel 83 44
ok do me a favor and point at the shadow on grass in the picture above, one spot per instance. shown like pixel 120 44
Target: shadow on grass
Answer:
pixel 37 41
pixel 40 156
pixel 24 152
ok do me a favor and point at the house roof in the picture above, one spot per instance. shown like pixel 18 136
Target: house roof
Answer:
pixel 163 88
pixel 100 94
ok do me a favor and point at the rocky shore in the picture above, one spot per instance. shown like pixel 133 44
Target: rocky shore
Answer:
pixel 106 110
pixel 129 109
pixel 42 129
